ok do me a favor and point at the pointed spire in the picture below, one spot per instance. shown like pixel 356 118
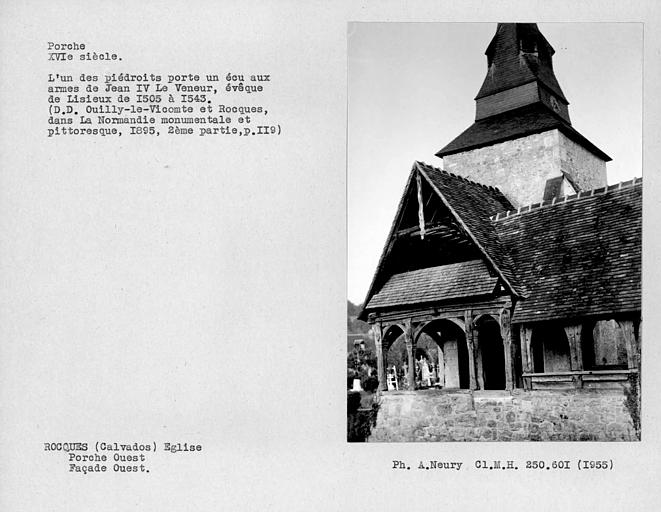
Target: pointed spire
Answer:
pixel 519 73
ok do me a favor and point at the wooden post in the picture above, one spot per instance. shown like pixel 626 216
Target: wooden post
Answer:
pixel 479 363
pixel 468 333
pixel 408 334
pixel 630 343
pixel 526 355
pixel 378 332
pixel 575 351
pixel 575 346
pixel 506 335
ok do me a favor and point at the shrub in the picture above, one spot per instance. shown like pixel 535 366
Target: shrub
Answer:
pixel 370 384
pixel 361 421
pixel 353 401
pixel 632 402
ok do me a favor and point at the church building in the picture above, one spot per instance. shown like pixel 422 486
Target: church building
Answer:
pixel 517 262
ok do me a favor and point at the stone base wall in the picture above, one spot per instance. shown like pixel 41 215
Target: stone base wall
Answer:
pixel 460 415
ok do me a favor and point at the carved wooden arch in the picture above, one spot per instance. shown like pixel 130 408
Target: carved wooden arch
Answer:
pixel 482 315
pixel 459 323
pixel 418 331
pixel 385 329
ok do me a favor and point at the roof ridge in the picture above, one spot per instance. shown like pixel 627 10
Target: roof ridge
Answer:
pixel 636 181
pixel 488 187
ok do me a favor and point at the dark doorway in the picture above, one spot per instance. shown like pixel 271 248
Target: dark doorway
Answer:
pixel 550 349
pixel 453 356
pixel 493 354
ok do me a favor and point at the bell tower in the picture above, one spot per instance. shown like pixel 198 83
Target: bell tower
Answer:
pixel 520 73
pixel 522 140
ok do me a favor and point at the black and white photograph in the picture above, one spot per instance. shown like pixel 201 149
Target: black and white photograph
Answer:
pixel 505 303
pixel 320 256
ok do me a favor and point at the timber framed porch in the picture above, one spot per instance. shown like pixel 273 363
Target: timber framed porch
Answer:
pixel 510 350
pixel 475 329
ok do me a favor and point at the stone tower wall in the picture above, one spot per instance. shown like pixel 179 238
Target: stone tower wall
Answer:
pixel 587 170
pixel 520 167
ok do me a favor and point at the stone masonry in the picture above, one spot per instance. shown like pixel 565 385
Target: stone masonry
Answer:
pixel 520 167
pixel 462 415
pixel 587 170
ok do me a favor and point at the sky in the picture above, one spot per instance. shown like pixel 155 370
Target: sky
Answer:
pixel 411 90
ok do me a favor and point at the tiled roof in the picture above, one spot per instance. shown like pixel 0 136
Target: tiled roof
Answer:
pixel 510 69
pixel 577 257
pixel 514 124
pixel 466 279
pixel 474 203
pixel 572 257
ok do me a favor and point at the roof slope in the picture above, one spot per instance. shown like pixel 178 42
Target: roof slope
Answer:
pixel 513 124
pixel 579 257
pixel 465 279
pixel 473 204
pixel 564 259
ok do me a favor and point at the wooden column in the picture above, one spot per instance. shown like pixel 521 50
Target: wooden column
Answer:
pixel 378 332
pixel 526 354
pixel 575 346
pixel 408 334
pixel 479 364
pixel 468 332
pixel 630 343
pixel 506 335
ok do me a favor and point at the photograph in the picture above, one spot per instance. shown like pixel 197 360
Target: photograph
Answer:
pixel 192 192
pixel 495 232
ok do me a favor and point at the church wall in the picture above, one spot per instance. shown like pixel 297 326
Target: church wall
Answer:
pixel 587 170
pixel 519 167
pixel 569 415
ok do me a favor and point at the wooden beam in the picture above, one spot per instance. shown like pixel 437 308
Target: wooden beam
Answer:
pixel 410 348
pixel 416 229
pixel 453 310
pixel 630 343
pixel 526 356
pixel 438 230
pixel 506 335
pixel 468 334
pixel 574 337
